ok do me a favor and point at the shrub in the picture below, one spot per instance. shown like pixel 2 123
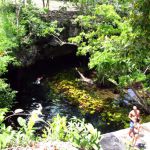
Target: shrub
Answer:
pixel 76 131
pixel 25 133
pixel 6 95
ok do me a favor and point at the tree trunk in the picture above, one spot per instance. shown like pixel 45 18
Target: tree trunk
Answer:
pixel 47 4
pixel 18 7
pixel 43 3
pixel 87 80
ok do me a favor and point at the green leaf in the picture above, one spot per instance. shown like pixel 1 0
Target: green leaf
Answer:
pixel 21 121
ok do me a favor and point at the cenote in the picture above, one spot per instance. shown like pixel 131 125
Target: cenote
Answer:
pixel 71 71
pixel 30 94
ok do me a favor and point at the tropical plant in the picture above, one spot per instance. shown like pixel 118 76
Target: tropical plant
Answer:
pixel 56 129
pixel 5 132
pixel 20 27
pixel 6 95
pixel 24 25
pixel 112 42
pixel 25 133
pixel 79 133
pixel 27 130
pixel 83 135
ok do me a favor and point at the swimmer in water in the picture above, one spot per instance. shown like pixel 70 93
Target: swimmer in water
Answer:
pixel 38 80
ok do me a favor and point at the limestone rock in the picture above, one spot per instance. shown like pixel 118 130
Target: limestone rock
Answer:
pixel 111 142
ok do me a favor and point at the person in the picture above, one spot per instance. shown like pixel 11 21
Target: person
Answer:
pixel 38 80
pixel 136 130
pixel 133 115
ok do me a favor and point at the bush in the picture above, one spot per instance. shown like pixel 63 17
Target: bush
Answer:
pixel 6 95
pixel 76 131
pixel 25 133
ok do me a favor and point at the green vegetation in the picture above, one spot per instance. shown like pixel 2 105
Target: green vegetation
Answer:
pixel 114 34
pixel 19 31
pixel 89 99
pixel 76 131
pixel 118 45
pixel 21 26
pixel 6 95
pixel 7 44
pixel 21 137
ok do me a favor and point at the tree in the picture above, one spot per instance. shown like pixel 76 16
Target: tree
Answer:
pixel 8 42
pixel 20 26
pixel 46 4
pixel 118 47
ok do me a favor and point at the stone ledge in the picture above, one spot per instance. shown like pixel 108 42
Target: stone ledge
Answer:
pixel 119 140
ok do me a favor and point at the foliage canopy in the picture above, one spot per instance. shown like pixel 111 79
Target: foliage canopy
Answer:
pixel 118 45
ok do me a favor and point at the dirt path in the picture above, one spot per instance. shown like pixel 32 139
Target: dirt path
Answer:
pixel 55 5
